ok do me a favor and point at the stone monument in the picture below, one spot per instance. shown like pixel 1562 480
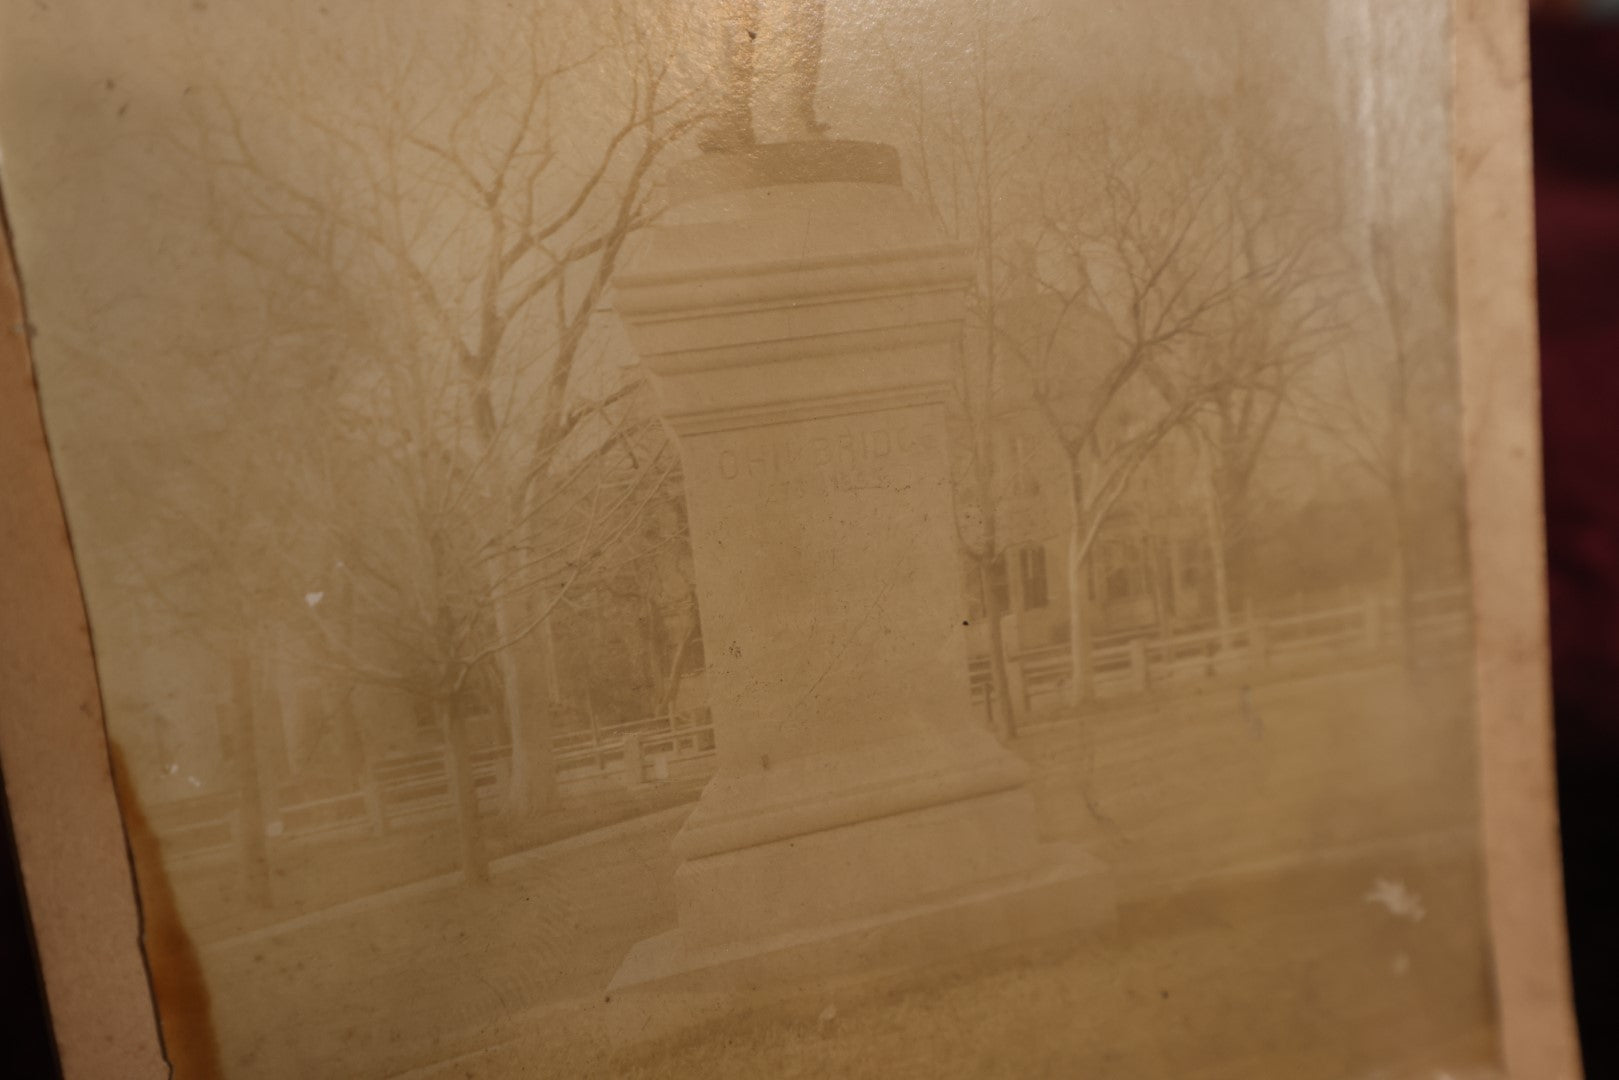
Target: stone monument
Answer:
pixel 798 314
pixel 769 55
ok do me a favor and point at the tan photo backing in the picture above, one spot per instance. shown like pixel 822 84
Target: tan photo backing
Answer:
pixel 72 845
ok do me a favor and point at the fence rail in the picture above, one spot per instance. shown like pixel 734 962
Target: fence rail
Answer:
pixel 417 786
pixel 400 789
pixel 1123 664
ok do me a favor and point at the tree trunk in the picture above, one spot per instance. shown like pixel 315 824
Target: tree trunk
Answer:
pixel 463 792
pixel 350 737
pixel 1400 579
pixel 240 715
pixel 356 747
pixel 1217 559
pixel 1155 585
pixel 677 662
pixel 531 786
pixel 1017 688
pixel 1154 570
pixel 1017 602
pixel 1237 538
pixel 1177 574
pixel 1080 689
pixel 357 759
pixel 1000 690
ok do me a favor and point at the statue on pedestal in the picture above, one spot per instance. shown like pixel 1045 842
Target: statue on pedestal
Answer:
pixel 798 316
pixel 770 51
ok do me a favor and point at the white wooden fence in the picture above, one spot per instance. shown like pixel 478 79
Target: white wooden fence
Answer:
pixel 401 789
pixel 416 787
pixel 1124 664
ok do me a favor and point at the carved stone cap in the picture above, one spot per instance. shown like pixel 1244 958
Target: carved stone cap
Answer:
pixel 817 161
pixel 793 280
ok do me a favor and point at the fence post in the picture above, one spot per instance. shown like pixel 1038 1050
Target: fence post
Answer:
pixel 1140 677
pixel 634 760
pixel 1258 643
pixel 1374 622
pixel 595 734
pixel 1017 688
pixel 372 788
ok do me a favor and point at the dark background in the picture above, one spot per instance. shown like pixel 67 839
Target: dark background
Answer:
pixel 1575 69
pixel 26 1049
pixel 1575 73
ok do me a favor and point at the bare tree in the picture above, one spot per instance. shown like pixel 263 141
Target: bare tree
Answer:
pixel 1386 398
pixel 1383 402
pixel 968 149
pixel 417 519
pixel 200 482
pixel 1285 312
pixel 632 615
pixel 399 293
pixel 1133 263
pixel 472 234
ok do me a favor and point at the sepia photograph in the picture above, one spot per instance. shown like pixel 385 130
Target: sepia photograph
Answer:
pixel 771 538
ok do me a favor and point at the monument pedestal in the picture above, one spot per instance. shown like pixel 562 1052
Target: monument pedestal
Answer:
pixel 799 318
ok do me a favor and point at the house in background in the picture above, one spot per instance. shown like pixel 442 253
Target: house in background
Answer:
pixel 1149 568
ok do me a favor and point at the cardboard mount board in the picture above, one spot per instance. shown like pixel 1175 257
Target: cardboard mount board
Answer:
pixel 58 778
pixel 70 841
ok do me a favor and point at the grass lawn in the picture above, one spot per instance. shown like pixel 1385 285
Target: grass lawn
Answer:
pixel 1246 831
pixel 1288 977
pixel 320 872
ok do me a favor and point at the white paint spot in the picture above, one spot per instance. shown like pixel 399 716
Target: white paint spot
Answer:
pixel 193 781
pixel 1400 901
pixel 313 598
pixel 1401 965
pixel 171 769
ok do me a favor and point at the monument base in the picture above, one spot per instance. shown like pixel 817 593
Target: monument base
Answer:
pixel 799 315
pixel 1069 893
